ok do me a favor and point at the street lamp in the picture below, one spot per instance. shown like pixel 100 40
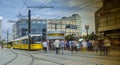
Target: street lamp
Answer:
pixel 87 27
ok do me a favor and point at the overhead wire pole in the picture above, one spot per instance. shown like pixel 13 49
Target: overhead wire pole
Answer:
pixel 29 28
pixel 7 37
pixel 29 22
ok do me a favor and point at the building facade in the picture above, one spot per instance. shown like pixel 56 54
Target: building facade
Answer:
pixel 107 19
pixel 60 27
pixel 71 25
pixel 76 23
pixel 38 26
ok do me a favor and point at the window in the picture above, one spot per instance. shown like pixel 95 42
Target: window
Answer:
pixel 43 22
pixel 117 18
pixel 25 41
pixel 44 26
pixel 39 26
pixel 111 22
pixel 67 26
pixel 33 21
pixel 118 21
pixel 36 39
pixel 43 38
pixel 103 19
pixel 111 19
pixel 108 5
pixel 44 34
pixel 43 30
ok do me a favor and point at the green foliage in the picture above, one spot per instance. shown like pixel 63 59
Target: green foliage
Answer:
pixel 69 37
pixel 1 41
pixel 90 36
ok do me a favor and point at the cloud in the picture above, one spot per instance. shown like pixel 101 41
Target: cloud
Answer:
pixel 7 25
pixel 1 18
pixel 43 1
pixel 36 2
pixel 73 3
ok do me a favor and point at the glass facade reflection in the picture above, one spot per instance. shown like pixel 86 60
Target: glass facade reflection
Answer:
pixel 38 26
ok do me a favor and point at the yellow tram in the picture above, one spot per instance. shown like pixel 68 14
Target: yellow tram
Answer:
pixel 7 45
pixel 22 43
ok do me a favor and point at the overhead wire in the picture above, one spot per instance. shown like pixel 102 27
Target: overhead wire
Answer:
pixel 43 4
pixel 81 4
pixel 74 9
pixel 24 14
pixel 24 5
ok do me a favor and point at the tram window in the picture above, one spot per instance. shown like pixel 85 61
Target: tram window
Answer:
pixel 25 41
pixel 35 39
pixel 16 42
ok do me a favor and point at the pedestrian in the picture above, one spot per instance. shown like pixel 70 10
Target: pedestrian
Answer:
pixel 107 44
pixel 62 44
pixel 80 44
pixel 45 46
pixel 67 45
pixel 50 45
pixel 57 46
pixel 84 45
pixel 72 46
pixel 96 45
pixel 100 45
pixel 92 45
pixel 89 44
pixel 76 46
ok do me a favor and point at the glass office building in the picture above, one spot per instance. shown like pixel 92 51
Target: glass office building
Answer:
pixel 38 26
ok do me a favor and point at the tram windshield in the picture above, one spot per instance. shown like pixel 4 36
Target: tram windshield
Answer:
pixel 36 39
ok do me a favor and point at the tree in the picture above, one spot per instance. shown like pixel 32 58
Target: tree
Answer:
pixel 69 37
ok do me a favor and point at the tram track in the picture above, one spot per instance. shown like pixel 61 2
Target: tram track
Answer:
pixel 28 55
pixel 16 55
pixel 10 61
pixel 86 55
pixel 32 58
pixel 62 58
pixel 36 58
pixel 34 55
pixel 51 54
pixel 76 60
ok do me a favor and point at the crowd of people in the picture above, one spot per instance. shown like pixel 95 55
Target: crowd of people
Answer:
pixel 101 46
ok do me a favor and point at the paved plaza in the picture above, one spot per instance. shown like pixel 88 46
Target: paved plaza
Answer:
pixel 22 57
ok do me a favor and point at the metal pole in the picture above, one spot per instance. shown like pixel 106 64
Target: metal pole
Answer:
pixel 29 29
pixel 87 33
pixel 87 27
pixel 55 26
pixel 7 37
pixel 2 44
